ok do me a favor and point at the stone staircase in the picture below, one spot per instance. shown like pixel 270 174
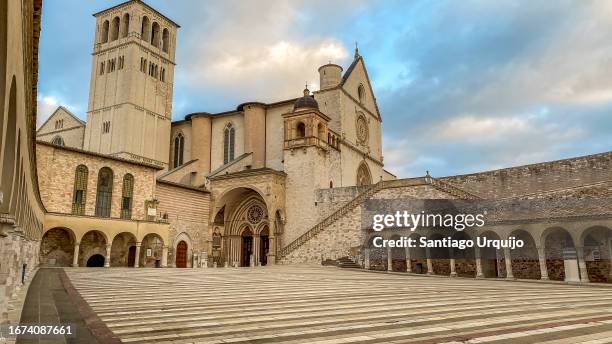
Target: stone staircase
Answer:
pixel 319 305
pixel 319 227
pixel 347 263
pixel 363 196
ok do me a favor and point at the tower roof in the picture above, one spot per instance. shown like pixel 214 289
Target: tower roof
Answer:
pixel 306 102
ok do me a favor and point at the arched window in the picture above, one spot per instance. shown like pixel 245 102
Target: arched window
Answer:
pixel 125 25
pixel 320 132
pixel 145 29
pixel 104 33
pixel 228 143
pixel 155 34
pixel 115 29
pixel 80 190
pixel 179 147
pixel 331 184
pixel 363 175
pixel 126 196
pixel 104 192
pixel 361 93
pixel 165 40
pixel 58 141
pixel 301 130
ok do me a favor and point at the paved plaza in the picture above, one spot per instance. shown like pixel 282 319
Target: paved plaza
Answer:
pixel 289 304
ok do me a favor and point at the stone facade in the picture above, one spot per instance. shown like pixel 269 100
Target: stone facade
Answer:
pixel 187 211
pixel 131 83
pixel 56 176
pixel 21 211
pixel 62 128
pixel 281 181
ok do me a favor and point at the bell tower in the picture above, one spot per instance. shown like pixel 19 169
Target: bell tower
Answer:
pixel 130 94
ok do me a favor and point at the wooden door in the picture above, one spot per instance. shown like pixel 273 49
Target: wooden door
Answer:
pixel 181 254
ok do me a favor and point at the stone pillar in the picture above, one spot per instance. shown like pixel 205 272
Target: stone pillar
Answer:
pixel 478 260
pixel 137 258
pixel 75 257
pixel 584 273
pixel 107 258
pixel 164 257
pixel 408 261
pixel 389 259
pixel 453 272
pixel 366 259
pixel 237 252
pixel 430 270
pixel 508 260
pixel 272 250
pixel 256 245
pixel 542 259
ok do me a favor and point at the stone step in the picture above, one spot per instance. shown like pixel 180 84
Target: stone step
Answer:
pixel 326 305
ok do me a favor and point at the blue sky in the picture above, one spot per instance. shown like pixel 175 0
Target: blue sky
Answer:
pixel 463 86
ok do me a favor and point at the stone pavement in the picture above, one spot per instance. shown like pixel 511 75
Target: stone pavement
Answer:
pixel 327 305
pixel 48 303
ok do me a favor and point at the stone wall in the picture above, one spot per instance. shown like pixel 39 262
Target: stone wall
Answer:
pixel 345 236
pixel 187 211
pixel 21 212
pixel 536 178
pixel 19 256
pixel 56 175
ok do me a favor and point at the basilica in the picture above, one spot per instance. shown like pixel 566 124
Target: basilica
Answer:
pixel 130 187
pixel 286 182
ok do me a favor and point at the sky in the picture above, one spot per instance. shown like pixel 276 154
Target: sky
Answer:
pixel 462 86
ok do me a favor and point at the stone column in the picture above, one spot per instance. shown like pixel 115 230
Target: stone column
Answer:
pixel 508 260
pixel 272 250
pixel 584 273
pixel 107 258
pixel 478 260
pixel 137 258
pixel 389 259
pixel 237 252
pixel 366 259
pixel 256 244
pixel 408 260
pixel 453 272
pixel 542 259
pixel 75 257
pixel 430 270
pixel 164 257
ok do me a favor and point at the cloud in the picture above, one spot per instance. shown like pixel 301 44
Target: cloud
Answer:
pixel 463 86
pixel 45 107
pixel 266 51
pixel 499 85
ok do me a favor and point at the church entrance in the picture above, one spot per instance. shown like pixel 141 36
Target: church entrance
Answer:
pixel 264 247
pixel 131 256
pixel 247 248
pixel 95 261
pixel 181 254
